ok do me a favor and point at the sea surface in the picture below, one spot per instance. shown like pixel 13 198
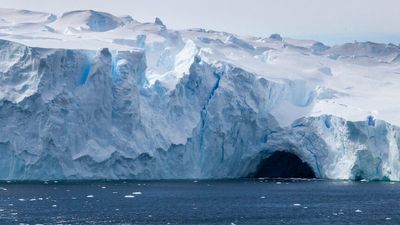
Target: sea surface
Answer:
pixel 244 201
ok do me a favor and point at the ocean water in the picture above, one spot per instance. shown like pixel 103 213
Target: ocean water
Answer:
pixel 244 201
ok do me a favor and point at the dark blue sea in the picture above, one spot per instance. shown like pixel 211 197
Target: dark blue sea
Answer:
pixel 247 201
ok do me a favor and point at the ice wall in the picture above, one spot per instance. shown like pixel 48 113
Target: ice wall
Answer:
pixel 81 114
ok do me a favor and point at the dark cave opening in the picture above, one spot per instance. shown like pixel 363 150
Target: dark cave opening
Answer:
pixel 282 164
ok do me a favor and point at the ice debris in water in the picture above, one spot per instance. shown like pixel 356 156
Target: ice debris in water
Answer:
pixel 89 196
pixel 296 204
pixel 129 196
pixel 358 211
pixel 137 193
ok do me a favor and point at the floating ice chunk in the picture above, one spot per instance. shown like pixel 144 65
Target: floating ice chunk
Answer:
pixel 73 198
pixel 262 197
pixel 89 196
pixel 296 204
pixel 40 199
pixel 358 211
pixel 129 196
pixel 103 187
pixel 137 193
pixel 21 200
pixel 388 218
pixel 54 206
pixel 278 182
pixel 1 210
pixel 3 189
pixel 32 199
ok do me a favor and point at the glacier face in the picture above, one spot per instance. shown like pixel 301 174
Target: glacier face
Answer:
pixel 122 99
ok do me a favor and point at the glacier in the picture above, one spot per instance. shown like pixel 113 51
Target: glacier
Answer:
pixel 90 95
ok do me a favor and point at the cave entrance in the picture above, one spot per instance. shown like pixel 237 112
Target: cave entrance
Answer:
pixel 282 164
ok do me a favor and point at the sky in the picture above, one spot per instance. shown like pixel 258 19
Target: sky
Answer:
pixel 329 21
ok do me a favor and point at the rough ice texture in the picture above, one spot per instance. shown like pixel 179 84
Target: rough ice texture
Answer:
pixel 89 95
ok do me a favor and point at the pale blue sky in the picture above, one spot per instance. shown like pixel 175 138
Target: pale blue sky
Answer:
pixel 329 21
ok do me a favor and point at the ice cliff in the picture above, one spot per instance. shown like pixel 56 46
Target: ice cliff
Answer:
pixel 89 95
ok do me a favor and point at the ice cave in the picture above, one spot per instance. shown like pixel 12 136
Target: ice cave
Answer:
pixel 283 164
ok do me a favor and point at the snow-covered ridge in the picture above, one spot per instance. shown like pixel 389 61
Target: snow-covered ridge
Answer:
pixel 91 95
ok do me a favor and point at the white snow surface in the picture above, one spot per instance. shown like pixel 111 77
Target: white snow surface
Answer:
pixel 89 95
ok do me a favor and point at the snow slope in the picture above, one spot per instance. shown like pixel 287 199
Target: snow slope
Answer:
pixel 88 95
